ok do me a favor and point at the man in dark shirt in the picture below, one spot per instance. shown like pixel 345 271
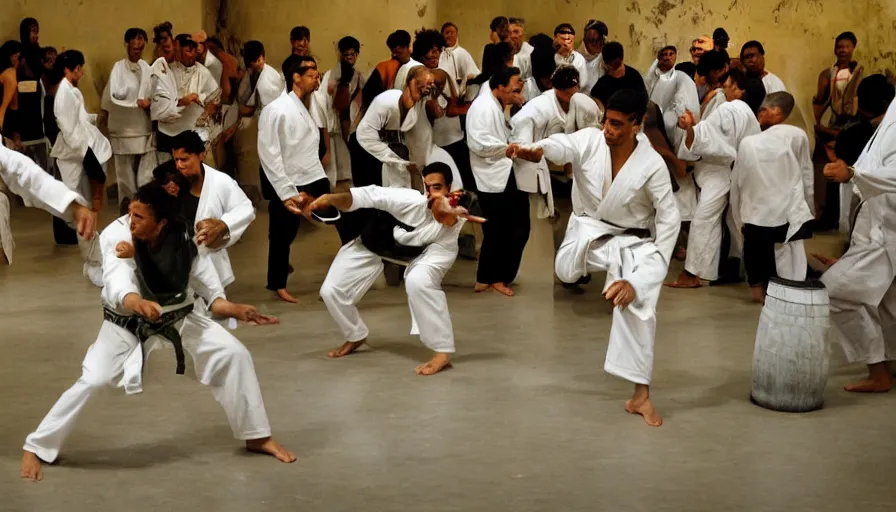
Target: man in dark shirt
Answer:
pixel 618 77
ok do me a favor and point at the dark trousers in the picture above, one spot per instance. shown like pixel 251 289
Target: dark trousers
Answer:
pixel 504 234
pixel 460 153
pixel 282 229
pixel 759 252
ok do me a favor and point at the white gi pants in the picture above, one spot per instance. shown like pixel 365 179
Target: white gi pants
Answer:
pixel 790 260
pixel 220 360
pixel 75 178
pixel 132 172
pixel 705 235
pixel 861 285
pixel 353 272
pixel 633 332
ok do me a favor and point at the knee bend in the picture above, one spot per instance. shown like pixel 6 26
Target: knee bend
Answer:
pixel 95 380
pixel 415 283
pixel 329 293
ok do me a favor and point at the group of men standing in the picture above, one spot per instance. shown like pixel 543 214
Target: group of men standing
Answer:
pixel 701 143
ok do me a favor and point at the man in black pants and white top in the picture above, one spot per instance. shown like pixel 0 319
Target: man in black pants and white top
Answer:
pixel 288 143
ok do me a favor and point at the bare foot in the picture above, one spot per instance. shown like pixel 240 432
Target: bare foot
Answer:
pixel 503 289
pixel 438 363
pixel 685 281
pixel 480 287
pixel 268 446
pixel 347 348
pixel 870 386
pixel 646 410
pixel 286 297
pixel 31 467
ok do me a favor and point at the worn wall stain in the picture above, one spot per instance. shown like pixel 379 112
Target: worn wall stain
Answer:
pixel 421 9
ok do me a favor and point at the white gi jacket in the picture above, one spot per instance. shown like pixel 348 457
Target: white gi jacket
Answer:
pixel 772 181
pixel 459 64
pixel 575 60
pixel 164 108
pixel 194 79
pixel 539 119
pixel 772 83
pixel 384 114
pixel 523 61
pixel 401 77
pixel 223 199
pixel 130 127
pixel 288 145
pixel 488 134
pixel 639 197
pixel 77 128
pixel 214 66
pixel 674 92
pixel 595 66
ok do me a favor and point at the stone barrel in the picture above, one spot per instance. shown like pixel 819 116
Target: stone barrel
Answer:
pixel 792 353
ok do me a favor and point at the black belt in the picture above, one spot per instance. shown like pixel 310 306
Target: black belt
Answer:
pixel 143 329
pixel 638 232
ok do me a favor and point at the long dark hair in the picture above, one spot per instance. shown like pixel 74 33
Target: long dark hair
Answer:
pixel 8 49
pixel 493 61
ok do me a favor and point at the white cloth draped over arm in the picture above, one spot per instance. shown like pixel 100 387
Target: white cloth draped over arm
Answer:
pixel 668 219
pixel 876 172
pixel 119 274
pixel 807 172
pixel 402 203
pixel 270 126
pixel 67 110
pixel 164 106
pixel 238 210
pixel 712 138
pixel 204 280
pixel 24 178
pixel 369 137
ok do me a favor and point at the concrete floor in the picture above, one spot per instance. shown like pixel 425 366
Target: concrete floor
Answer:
pixel 526 421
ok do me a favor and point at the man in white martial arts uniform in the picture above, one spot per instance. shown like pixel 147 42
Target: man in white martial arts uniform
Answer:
pixel 339 98
pixel 383 129
pixel 26 179
pixel 288 148
pixel 771 196
pixel 126 101
pixel 752 55
pixel 713 144
pixel 596 33
pixel 674 92
pixel 197 95
pixel 565 43
pixel 455 60
pixel 503 202
pixel 427 226
pixel 215 206
pixel 151 276
pixel 861 283
pixel 165 103
pixel 563 109
pixel 81 151
pixel 522 50
pixel 623 192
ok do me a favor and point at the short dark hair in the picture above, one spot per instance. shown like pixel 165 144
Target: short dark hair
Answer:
pixel 719 35
pixel 424 41
pixel 299 33
pixel 752 44
pixel 186 40
pixel 542 57
pixel 348 43
pixel 252 51
pixel 849 36
pixel 9 49
pixel 598 25
pixel 163 205
pixel 70 59
pixel 503 77
pixel 516 21
pixel 439 168
pixel 494 59
pixel 398 38
pixel 167 172
pixel 296 64
pixel 565 77
pixel 164 27
pixel 754 90
pixel 613 51
pixel 216 41
pixel 564 27
pixel 133 33
pixel 448 24
pixel 875 94
pixel 188 141
pixel 498 22
pixel 712 60
pixel 782 100
pixel 630 102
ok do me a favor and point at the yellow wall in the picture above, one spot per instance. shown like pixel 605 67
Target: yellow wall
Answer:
pixel 96 27
pixel 798 34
